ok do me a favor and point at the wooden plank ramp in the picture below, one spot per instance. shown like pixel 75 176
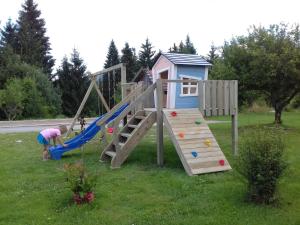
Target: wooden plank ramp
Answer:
pixel 195 144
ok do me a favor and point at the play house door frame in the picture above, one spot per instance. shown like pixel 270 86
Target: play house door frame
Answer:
pixel 165 87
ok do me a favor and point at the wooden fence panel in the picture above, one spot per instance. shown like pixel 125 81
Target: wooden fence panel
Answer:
pixel 220 97
pixel 214 97
pixel 207 98
pixel 231 97
pixel 226 97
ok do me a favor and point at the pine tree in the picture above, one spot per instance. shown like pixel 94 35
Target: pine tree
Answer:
pixel 181 47
pixel 33 44
pixel 189 46
pixel 73 82
pixel 146 55
pixel 212 56
pixel 130 59
pixel 112 57
pixel 173 49
pixel 8 35
pixel 110 81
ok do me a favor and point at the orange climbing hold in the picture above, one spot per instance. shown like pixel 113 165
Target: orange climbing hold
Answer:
pixel 181 135
pixel 173 113
pixel 207 142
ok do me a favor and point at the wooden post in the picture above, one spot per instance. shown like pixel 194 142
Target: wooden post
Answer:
pixel 159 123
pixel 123 88
pixel 234 119
pixel 201 96
pixel 123 80
pixel 81 106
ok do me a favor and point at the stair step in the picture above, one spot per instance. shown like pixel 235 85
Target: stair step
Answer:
pixel 110 153
pixel 121 144
pixel 140 117
pixel 132 126
pixel 125 135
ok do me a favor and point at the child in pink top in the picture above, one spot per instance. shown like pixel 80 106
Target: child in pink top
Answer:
pixel 46 135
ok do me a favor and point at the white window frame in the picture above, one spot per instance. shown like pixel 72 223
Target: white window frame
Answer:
pixel 189 86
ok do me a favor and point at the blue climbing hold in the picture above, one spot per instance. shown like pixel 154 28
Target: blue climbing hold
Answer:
pixel 195 154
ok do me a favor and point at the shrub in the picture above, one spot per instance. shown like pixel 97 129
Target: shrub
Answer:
pixel 261 162
pixel 80 182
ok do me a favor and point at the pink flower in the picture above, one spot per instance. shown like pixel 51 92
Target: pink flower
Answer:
pixel 77 199
pixel 89 197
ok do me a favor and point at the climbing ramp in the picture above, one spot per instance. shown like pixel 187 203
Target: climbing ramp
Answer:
pixel 195 144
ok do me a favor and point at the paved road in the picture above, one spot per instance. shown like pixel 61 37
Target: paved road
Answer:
pixel 37 125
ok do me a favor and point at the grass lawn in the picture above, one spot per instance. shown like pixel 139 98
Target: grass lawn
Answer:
pixel 34 192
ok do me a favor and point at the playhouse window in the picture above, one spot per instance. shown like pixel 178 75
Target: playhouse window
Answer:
pixel 189 88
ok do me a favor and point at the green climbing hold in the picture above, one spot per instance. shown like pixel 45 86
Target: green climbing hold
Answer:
pixel 198 122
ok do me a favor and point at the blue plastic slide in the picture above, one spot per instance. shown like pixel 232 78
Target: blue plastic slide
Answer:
pixel 83 137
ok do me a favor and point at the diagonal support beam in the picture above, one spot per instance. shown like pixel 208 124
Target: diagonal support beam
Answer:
pixel 101 97
pixel 87 94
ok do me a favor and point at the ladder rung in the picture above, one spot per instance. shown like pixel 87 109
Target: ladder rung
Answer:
pixel 140 117
pixel 132 126
pixel 125 135
pixel 121 144
pixel 110 153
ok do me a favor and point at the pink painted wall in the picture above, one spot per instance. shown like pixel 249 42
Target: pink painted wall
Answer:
pixel 161 65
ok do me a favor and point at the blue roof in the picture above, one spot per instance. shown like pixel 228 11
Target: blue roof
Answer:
pixel 186 59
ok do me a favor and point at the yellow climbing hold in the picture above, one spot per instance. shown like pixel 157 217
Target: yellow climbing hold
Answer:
pixel 207 142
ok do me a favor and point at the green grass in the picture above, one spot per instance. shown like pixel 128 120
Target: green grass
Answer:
pixel 34 192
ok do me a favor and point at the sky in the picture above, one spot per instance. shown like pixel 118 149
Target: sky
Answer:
pixel 90 25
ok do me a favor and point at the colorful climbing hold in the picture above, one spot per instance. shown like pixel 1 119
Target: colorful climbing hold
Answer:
pixel 207 142
pixel 173 113
pixel 110 130
pixel 195 154
pixel 198 122
pixel 181 135
pixel 222 162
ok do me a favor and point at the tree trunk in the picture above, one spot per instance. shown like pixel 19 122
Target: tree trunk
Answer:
pixel 278 116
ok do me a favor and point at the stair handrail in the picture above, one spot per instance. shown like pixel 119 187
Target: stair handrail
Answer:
pixel 129 108
pixel 133 104
pixel 126 100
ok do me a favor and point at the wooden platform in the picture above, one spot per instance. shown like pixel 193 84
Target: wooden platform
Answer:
pixel 195 144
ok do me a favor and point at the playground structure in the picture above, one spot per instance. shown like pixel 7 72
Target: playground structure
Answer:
pixel 131 119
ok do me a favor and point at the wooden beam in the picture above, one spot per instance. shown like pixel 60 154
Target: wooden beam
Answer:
pixel 87 94
pixel 119 66
pixel 116 107
pixel 178 81
pixel 234 120
pixel 101 97
pixel 159 123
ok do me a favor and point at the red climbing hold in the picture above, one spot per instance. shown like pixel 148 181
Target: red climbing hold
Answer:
pixel 181 135
pixel 173 113
pixel 222 162
pixel 110 130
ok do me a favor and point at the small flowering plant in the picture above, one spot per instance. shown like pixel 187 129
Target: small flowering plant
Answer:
pixel 80 182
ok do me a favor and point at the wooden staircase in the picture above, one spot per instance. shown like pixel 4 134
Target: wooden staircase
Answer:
pixel 127 138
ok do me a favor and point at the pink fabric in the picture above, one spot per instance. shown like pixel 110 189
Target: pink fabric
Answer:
pixel 50 133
